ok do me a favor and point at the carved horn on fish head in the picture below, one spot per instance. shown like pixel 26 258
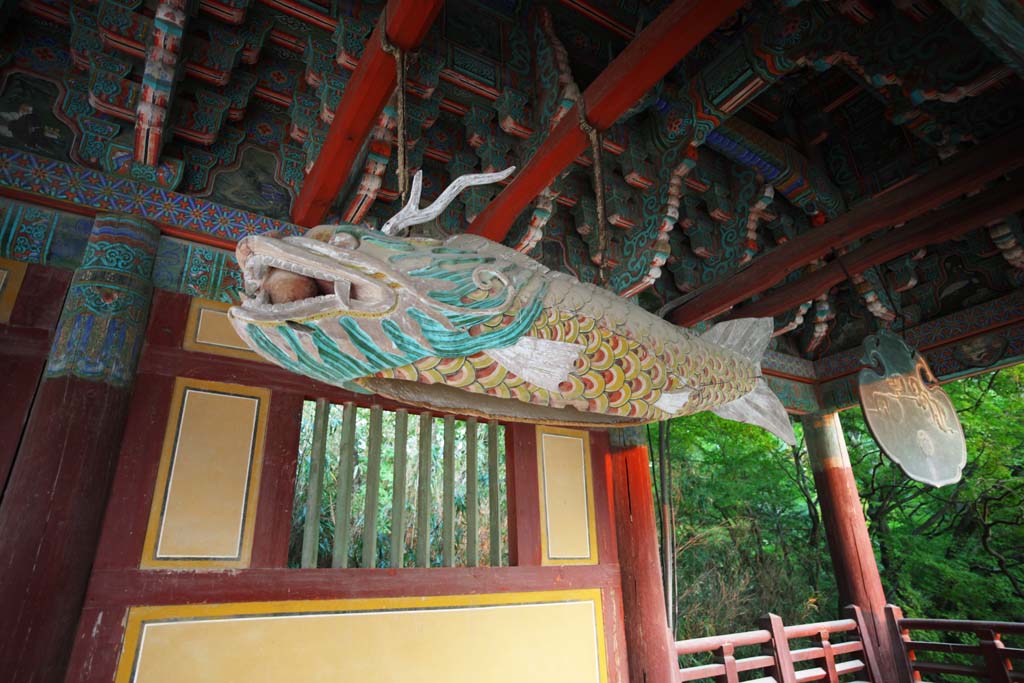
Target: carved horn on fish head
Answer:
pixel 412 214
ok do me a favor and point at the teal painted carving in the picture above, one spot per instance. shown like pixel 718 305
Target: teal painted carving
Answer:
pixel 998 24
pixel 33 234
pixel 103 322
pixel 197 270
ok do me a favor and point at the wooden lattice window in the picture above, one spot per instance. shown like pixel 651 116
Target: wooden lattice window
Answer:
pixel 351 462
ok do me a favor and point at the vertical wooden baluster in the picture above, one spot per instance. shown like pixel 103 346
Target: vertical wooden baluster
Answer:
pixel 778 648
pixel 472 512
pixel 493 505
pixel 311 530
pixel 828 658
pixel 343 502
pixel 448 495
pixel 870 650
pixel 372 488
pixel 398 489
pixel 423 491
pixel 726 656
pixel 900 639
pixel 996 662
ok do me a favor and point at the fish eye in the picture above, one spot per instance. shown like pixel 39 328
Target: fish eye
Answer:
pixel 344 240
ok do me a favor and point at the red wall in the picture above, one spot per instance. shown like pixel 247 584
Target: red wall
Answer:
pixel 118 583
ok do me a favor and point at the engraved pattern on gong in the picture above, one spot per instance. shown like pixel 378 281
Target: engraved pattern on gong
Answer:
pixel 910 416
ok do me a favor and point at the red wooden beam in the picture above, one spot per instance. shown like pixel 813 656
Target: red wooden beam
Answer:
pixel 650 56
pixel 969 171
pixel 368 90
pixel 933 228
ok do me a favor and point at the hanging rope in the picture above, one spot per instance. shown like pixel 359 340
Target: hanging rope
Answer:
pixel 399 55
pixel 595 148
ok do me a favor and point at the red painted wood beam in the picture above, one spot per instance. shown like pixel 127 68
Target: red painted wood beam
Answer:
pixel 658 48
pixel 368 90
pixel 969 171
pixel 933 228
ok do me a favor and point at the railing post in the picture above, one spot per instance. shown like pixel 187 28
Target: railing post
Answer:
pixel 899 638
pixel 726 657
pixel 870 651
pixel 493 494
pixel 778 648
pixel 398 485
pixel 996 662
pixel 828 657
pixel 423 498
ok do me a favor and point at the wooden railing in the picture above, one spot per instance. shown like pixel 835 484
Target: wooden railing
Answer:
pixel 986 658
pixel 776 661
pixel 420 522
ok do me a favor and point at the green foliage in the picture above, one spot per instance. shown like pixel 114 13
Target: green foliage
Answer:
pixel 749 537
pixel 745 541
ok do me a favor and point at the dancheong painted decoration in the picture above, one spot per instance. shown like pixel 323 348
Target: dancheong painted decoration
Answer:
pixel 909 414
pixel 468 324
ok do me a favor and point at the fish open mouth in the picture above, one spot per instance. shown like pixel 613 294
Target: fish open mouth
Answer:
pixel 298 278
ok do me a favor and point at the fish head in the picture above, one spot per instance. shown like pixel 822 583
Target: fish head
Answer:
pixel 331 271
pixel 344 302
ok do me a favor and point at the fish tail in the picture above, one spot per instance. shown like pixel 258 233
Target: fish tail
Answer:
pixel 749 337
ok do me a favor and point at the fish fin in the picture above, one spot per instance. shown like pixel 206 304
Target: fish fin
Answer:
pixel 748 337
pixel 760 407
pixel 673 402
pixel 539 361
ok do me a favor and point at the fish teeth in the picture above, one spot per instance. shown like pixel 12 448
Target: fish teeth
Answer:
pixel 343 290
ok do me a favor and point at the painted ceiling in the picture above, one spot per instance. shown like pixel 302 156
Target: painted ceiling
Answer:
pixel 785 118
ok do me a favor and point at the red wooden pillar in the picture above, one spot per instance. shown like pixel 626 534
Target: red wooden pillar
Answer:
pixel 853 557
pixel 53 505
pixel 649 643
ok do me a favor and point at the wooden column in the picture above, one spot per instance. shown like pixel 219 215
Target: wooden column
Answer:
pixel 53 505
pixel 648 640
pixel 853 557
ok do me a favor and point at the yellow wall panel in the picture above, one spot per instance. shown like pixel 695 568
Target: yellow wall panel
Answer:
pixel 12 273
pixel 537 637
pixel 210 331
pixel 205 498
pixel 568 529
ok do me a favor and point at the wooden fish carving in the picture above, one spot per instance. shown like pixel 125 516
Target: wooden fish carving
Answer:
pixel 469 325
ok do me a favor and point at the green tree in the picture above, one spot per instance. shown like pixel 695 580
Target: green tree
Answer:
pixel 749 536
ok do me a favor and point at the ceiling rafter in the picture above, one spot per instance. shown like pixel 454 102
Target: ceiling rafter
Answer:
pixel 968 171
pixel 939 226
pixel 645 61
pixel 600 17
pixel 368 91
pixel 163 57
